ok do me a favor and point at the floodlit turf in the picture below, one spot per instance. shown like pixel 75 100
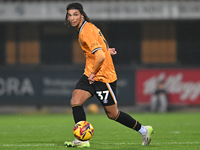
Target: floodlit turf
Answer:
pixel 173 131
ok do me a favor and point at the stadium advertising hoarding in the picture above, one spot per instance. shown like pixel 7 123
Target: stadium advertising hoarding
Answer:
pixel 18 88
pixel 100 10
pixel 37 87
pixel 182 85
pixel 53 87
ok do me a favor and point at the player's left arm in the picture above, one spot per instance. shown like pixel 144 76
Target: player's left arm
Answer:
pixel 112 51
pixel 99 59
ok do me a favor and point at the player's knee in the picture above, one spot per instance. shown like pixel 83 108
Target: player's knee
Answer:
pixel 74 102
pixel 111 116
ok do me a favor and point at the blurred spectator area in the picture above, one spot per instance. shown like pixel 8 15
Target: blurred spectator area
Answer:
pixel 138 42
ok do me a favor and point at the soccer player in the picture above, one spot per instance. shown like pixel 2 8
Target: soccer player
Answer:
pixel 99 76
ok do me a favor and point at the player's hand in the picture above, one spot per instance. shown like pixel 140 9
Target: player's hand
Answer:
pixel 91 78
pixel 113 51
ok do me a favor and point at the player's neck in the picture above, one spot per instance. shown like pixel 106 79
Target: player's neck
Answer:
pixel 80 24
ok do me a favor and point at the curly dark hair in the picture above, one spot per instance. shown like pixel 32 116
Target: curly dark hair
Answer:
pixel 76 5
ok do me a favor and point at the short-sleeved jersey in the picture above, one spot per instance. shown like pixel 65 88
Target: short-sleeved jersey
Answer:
pixel 91 40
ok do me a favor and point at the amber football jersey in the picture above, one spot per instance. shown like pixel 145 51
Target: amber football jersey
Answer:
pixel 91 40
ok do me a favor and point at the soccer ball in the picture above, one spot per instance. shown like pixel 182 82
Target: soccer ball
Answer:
pixel 83 130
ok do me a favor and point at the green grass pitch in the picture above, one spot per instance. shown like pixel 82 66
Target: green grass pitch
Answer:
pixel 173 131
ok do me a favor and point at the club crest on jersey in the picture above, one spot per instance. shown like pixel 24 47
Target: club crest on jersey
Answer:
pixel 94 44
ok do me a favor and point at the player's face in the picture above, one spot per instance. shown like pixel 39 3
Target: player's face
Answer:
pixel 74 17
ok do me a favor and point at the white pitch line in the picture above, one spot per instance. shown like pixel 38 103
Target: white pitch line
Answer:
pixel 169 143
pixel 24 145
pixel 175 132
pixel 176 143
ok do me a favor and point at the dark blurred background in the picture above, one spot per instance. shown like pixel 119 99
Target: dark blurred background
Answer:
pixel 40 58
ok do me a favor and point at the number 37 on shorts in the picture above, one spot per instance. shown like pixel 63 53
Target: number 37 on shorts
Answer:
pixel 106 98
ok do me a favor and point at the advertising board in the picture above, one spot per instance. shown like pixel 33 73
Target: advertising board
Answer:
pixel 182 85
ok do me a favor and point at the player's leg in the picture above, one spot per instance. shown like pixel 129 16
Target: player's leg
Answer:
pixel 82 93
pixel 106 94
pixel 125 119
pixel 121 117
pixel 78 98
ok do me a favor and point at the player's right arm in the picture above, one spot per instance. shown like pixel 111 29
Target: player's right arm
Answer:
pixel 99 59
